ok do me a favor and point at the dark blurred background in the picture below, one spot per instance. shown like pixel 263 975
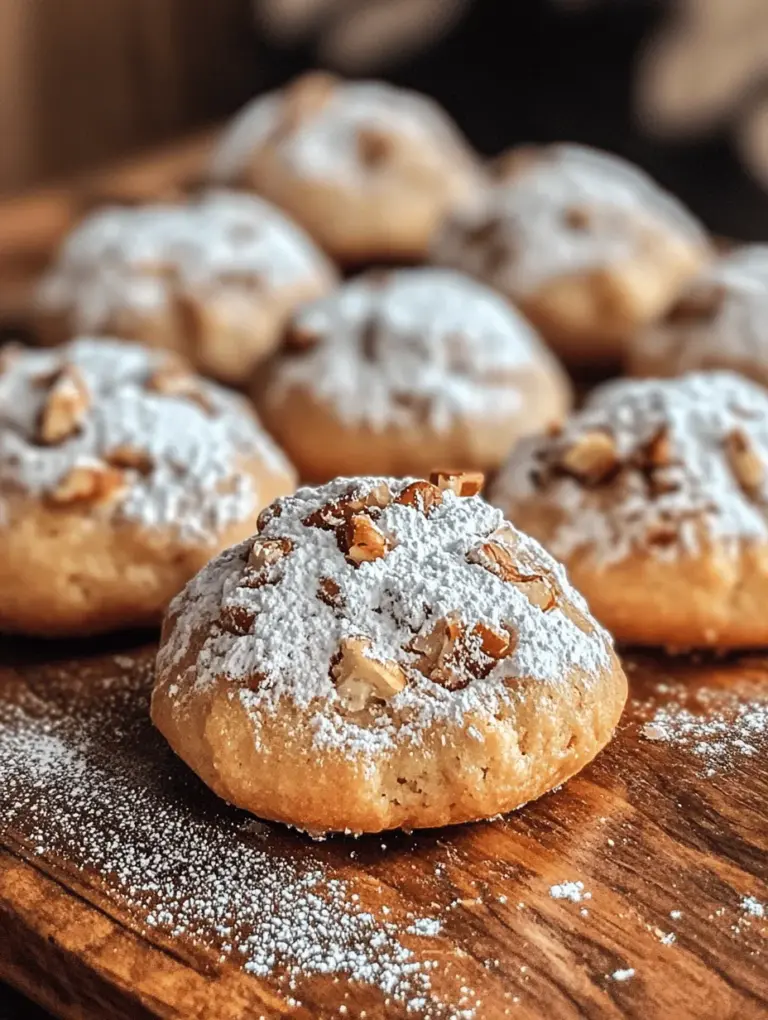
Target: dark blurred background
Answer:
pixel 84 81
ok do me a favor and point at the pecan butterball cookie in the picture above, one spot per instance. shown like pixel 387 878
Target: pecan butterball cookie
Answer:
pixel 214 278
pixel 368 169
pixel 586 244
pixel 655 497
pixel 121 474
pixel 398 372
pixel 384 653
pixel 719 322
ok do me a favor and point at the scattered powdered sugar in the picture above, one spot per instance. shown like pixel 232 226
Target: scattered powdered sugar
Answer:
pixel 753 907
pixel 323 144
pixel 135 261
pixel 424 343
pixel 530 229
pixel 721 737
pixel 85 780
pixel 424 577
pixel 623 975
pixel 727 326
pixel 574 892
pixel 695 495
pixel 195 485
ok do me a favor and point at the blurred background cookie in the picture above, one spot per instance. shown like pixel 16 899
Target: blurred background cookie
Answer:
pixel 654 497
pixel 584 243
pixel 719 321
pixel 214 278
pixel 384 654
pixel 401 371
pixel 121 474
pixel 368 169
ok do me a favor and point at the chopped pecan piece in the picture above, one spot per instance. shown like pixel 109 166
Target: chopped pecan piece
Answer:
pixel 173 380
pixel 592 458
pixel 463 483
pixel 577 217
pixel 130 457
pixel 452 656
pixel 746 464
pixel 363 541
pixel 329 591
pixel 657 452
pixel 422 496
pixel 269 513
pixel 299 338
pixel 236 620
pixel 496 556
pixel 88 483
pixel 264 555
pixel 360 679
pixel 374 146
pixel 65 408
pixel 700 305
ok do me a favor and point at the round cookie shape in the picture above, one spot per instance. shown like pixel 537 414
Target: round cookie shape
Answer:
pixel 368 169
pixel 719 322
pixel 121 474
pixel 655 496
pixel 586 244
pixel 384 653
pixel 399 371
pixel 214 278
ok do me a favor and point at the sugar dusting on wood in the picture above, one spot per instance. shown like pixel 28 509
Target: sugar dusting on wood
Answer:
pixel 188 866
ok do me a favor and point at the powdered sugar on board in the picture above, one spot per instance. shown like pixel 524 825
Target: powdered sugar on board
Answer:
pixel 186 866
pixel 424 344
pixel 134 260
pixel 571 209
pixel 323 144
pixel 425 576
pixel 713 482
pixel 195 445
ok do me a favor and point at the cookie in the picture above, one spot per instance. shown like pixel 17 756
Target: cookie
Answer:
pixel 214 279
pixel 655 497
pixel 121 474
pixel 384 653
pixel 398 372
pixel 368 169
pixel 719 322
pixel 586 244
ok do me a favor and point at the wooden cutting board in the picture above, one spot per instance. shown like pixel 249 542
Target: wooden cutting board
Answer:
pixel 128 890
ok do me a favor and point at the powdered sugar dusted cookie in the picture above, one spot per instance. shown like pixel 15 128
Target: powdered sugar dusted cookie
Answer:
pixel 656 498
pixel 121 474
pixel 398 372
pixel 367 168
pixel 384 653
pixel 214 279
pixel 720 321
pixel 586 244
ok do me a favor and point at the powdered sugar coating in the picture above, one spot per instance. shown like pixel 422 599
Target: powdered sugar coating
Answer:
pixel 425 576
pixel 697 494
pixel 524 235
pixel 428 339
pixel 731 329
pixel 133 260
pixel 195 486
pixel 324 146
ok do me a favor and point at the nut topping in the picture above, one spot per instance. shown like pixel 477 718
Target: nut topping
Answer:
pixel 66 407
pixel 364 541
pixel 173 380
pixel 299 339
pixel 700 305
pixel 497 557
pixel 657 451
pixel 88 483
pixel 263 556
pixel 463 483
pixel 360 679
pixel 422 496
pixel 329 591
pixel 577 217
pixel 592 458
pixel 130 457
pixel 452 655
pixel 745 463
pixel 236 620
pixel 374 146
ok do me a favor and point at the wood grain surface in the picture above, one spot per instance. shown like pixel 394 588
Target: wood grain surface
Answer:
pixel 667 836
